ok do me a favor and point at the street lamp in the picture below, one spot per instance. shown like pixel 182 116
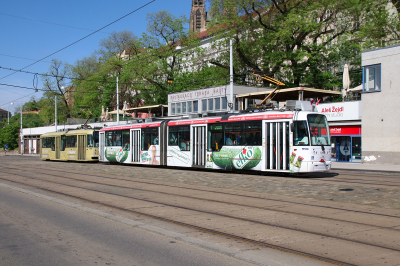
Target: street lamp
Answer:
pixel 8 113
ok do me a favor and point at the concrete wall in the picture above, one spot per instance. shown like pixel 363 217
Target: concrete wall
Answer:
pixel 380 110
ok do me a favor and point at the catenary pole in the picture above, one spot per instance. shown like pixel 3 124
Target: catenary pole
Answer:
pixel 231 77
pixel 117 103
pixel 55 100
pixel 22 137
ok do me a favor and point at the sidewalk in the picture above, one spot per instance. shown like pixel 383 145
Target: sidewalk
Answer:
pixel 365 167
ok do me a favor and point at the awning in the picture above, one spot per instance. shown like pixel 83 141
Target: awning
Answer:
pixel 291 94
pixel 152 108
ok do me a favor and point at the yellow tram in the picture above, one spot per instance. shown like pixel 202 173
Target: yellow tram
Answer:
pixel 73 145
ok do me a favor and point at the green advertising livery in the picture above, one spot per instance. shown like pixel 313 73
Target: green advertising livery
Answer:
pixel 238 158
pixel 119 155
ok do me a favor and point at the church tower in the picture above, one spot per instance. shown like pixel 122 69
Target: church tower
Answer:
pixel 198 16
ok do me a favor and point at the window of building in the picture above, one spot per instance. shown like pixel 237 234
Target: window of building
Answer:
pixel 204 105
pixel 172 108
pixel 211 104
pixel 149 137
pixel 179 136
pixel 224 103
pixel 372 78
pixel 184 108
pixel 217 104
pixel 178 108
pixel 189 107
pixel 195 106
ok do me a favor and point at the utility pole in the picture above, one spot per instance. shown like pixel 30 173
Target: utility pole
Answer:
pixel 55 111
pixel 117 103
pixel 8 113
pixel 231 77
pixel 22 137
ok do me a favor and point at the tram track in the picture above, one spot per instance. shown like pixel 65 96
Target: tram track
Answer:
pixel 178 206
pixel 218 201
pixel 225 193
pixel 207 230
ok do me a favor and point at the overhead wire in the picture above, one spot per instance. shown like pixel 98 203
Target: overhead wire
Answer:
pixel 41 21
pixel 84 37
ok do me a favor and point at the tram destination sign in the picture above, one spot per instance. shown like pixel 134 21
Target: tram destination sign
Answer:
pixel 340 111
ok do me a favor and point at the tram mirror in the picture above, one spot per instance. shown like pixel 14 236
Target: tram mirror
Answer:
pixel 291 127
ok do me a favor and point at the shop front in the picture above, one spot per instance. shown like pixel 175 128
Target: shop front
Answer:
pixel 346 143
pixel 344 119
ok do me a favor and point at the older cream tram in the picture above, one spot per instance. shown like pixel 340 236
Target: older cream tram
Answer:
pixel 73 145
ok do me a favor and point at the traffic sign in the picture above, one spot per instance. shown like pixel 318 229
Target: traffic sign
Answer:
pixel 6 146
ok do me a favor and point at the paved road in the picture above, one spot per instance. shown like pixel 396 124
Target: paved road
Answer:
pixel 34 231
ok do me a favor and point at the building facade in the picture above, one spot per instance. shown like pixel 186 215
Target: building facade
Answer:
pixel 210 100
pixel 380 105
pixel 344 119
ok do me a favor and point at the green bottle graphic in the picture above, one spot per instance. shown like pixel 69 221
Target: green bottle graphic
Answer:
pixel 292 157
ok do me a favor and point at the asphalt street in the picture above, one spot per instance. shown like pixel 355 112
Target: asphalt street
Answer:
pixel 34 231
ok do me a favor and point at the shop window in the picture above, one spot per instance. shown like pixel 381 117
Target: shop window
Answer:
pixel 172 109
pixel 211 104
pixel 372 78
pixel 189 107
pixel 217 104
pixel 204 105
pixel 183 108
pixel 224 103
pixel 195 106
pixel 149 137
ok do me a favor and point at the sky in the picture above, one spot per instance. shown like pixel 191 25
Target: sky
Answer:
pixel 32 30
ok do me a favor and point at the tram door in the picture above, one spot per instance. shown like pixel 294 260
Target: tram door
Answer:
pixel 277 145
pixel 199 145
pixel 58 147
pixel 81 147
pixel 135 146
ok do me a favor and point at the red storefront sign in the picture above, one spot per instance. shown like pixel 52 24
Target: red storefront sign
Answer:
pixel 345 130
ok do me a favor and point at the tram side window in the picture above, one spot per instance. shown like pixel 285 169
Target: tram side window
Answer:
pixel 179 136
pixel 48 143
pixel 149 137
pixel 300 134
pixel 252 133
pixel 233 134
pixel 215 137
pixel 125 140
pixel 113 138
pixel 90 140
pixel 93 140
pixel 71 141
pixel 52 143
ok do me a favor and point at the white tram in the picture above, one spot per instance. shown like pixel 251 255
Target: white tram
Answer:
pixel 271 141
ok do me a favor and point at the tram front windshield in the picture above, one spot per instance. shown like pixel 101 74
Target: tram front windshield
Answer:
pixel 319 130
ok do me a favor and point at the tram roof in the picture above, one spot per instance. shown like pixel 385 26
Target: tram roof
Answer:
pixel 69 132
pixel 291 94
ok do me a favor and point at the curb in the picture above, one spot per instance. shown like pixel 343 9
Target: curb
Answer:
pixel 366 170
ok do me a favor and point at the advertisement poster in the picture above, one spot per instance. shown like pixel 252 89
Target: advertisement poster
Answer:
pixel 152 156
pixel 248 157
pixel 176 157
pixel 116 154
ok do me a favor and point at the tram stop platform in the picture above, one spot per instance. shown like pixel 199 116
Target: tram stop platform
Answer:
pixel 390 168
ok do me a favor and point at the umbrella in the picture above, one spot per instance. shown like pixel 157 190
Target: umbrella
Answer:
pixel 346 80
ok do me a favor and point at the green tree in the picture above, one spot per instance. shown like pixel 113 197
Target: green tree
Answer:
pixel 297 41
